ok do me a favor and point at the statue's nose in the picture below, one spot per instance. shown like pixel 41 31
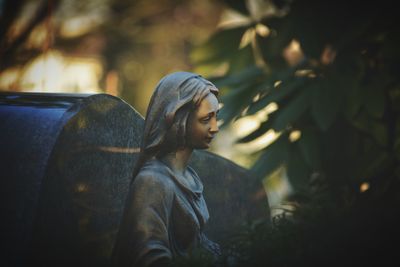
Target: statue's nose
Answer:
pixel 214 126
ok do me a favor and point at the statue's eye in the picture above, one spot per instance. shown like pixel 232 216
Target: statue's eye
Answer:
pixel 206 119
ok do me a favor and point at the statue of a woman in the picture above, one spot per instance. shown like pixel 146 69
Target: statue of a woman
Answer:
pixel 165 212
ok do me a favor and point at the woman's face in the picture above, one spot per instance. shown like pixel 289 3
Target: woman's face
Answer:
pixel 202 125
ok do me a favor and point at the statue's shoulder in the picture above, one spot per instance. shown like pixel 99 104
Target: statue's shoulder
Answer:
pixel 154 173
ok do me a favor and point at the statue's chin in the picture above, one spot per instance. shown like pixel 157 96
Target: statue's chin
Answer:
pixel 202 146
pixel 206 146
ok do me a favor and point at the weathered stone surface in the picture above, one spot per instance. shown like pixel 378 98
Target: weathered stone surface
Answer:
pixel 232 196
pixel 66 163
pixel 29 128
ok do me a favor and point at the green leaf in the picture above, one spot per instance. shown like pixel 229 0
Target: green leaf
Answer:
pixel 272 157
pixel 374 100
pixel 276 94
pixel 297 170
pixel 273 46
pixel 236 101
pixel 241 61
pixel 390 47
pixel 352 102
pixel 293 110
pixel 325 104
pixel 372 128
pixel 262 129
pixel 239 6
pixel 310 145
pixel 370 162
pixel 349 73
pixel 246 76
pixel 219 48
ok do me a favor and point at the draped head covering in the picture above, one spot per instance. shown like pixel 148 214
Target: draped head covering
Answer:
pixel 175 96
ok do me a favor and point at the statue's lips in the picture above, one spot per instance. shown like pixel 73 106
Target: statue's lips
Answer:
pixel 209 139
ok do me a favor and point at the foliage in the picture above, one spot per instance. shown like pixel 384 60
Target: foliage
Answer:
pixel 326 229
pixel 323 232
pixel 341 90
pixel 343 95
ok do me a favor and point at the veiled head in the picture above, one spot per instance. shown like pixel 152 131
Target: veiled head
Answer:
pixel 176 96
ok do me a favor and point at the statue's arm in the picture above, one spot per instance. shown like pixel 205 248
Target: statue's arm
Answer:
pixel 146 221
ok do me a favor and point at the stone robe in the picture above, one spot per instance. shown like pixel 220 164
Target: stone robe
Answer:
pixel 164 219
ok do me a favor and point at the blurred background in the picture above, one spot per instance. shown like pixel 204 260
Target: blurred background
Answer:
pixel 310 96
pixel 112 46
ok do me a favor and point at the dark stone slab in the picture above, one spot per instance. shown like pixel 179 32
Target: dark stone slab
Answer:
pixel 66 162
pixel 233 197
pixel 29 129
